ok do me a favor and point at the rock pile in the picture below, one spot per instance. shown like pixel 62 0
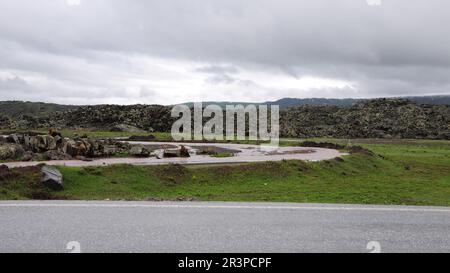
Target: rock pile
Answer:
pixel 54 147
pixel 29 147
pixel 381 118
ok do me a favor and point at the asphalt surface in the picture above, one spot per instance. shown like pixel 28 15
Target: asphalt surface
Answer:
pixel 249 153
pixel 48 226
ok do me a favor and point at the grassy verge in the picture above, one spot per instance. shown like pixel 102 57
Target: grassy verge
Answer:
pixel 409 173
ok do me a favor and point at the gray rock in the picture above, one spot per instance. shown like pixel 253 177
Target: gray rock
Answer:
pixel 172 152
pixel 159 154
pixel 13 138
pixel 10 151
pixel 52 178
pixel 5 173
pixel 29 156
pixel 139 150
pixel 109 150
pixel 56 155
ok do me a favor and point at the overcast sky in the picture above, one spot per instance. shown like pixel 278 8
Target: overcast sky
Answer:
pixel 170 51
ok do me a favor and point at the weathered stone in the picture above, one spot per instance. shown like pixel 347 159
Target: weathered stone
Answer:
pixel 5 173
pixel 184 152
pixel 172 152
pixel 139 150
pixel 10 151
pixel 13 138
pixel 44 143
pixel 29 156
pixel 57 155
pixel 69 147
pixel 58 140
pixel 159 154
pixel 52 178
pixel 109 150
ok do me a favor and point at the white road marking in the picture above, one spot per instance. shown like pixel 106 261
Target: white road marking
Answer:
pixel 99 205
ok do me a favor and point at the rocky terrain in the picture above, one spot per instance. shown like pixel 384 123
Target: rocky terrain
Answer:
pixel 383 118
pixel 380 118
pixel 53 146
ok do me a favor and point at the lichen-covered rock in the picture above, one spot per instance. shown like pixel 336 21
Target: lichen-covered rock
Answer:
pixel 10 151
pixel 56 155
pixel 381 118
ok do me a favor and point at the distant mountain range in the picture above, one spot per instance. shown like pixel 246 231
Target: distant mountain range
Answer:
pixel 290 102
pixel 15 109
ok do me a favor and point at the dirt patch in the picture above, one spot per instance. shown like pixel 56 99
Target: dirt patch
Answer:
pixel 339 159
pixel 360 150
pixel 142 138
pixel 91 170
pixel 327 145
pixel 213 150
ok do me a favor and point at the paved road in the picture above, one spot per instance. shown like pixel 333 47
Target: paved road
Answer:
pixel 249 153
pixel 47 226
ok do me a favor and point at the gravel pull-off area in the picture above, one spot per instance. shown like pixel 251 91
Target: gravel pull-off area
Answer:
pixel 247 153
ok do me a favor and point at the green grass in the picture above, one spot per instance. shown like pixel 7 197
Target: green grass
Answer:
pixel 407 172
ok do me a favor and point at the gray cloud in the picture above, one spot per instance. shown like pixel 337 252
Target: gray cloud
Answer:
pixel 92 53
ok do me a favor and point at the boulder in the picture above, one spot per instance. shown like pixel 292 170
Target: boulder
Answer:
pixel 58 140
pixel 44 143
pixel 56 155
pixel 159 154
pixel 139 150
pixel 5 172
pixel 81 148
pixel 52 178
pixel 184 152
pixel 110 150
pixel 13 138
pixel 10 151
pixel 177 152
pixel 69 147
pixel 30 156
pixel 172 152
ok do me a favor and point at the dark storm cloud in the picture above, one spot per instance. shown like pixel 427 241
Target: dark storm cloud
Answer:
pixel 398 48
